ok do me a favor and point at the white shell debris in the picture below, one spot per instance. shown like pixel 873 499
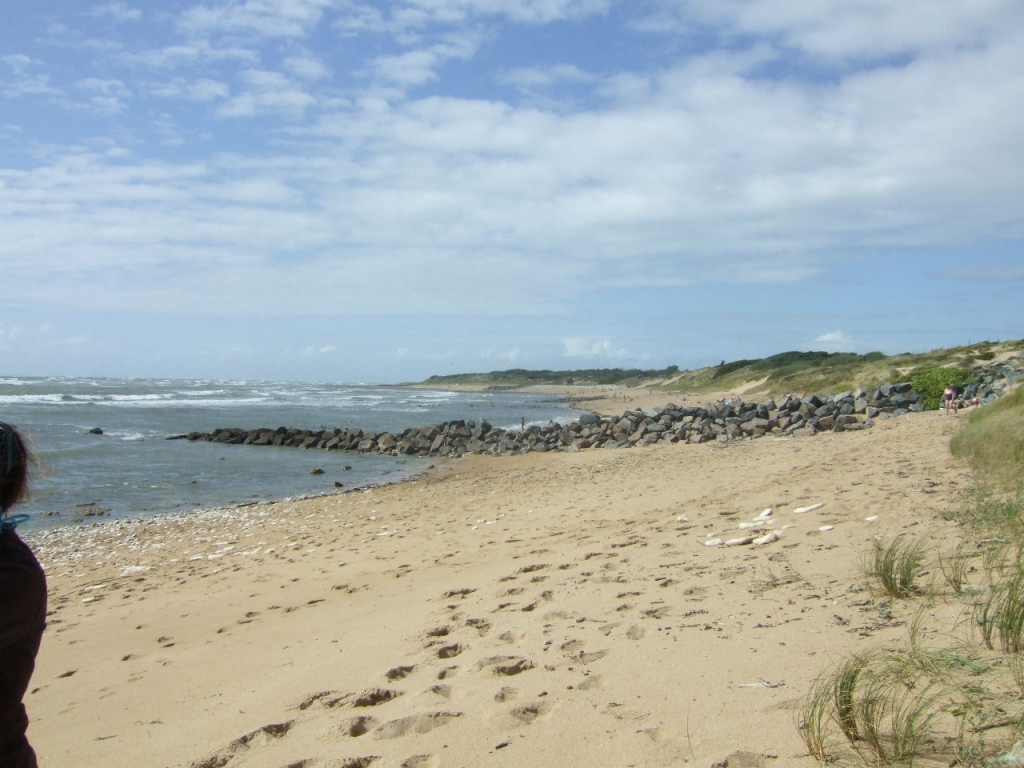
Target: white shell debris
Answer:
pixel 766 514
pixel 762 683
pixel 826 528
pixel 740 542
pixel 802 510
pixel 682 519
pixel 768 538
pixel 871 519
pixel 712 542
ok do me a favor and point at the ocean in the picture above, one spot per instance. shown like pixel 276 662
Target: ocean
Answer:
pixel 132 468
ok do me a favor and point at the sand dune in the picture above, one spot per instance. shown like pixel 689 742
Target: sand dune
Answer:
pixel 540 610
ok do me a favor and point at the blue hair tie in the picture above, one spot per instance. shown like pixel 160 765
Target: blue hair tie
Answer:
pixel 12 522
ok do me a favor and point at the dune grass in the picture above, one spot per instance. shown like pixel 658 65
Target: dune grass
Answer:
pixel 993 443
pixel 960 702
pixel 894 568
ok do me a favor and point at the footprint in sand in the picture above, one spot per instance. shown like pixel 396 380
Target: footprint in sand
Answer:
pixel 532 568
pixel 591 683
pixel 529 713
pixel 507 693
pixel 482 626
pixel 375 697
pixel 423 723
pixel 398 673
pixel 573 649
pixel 357 762
pixel 450 651
pixel 358 726
pixel 459 592
pixel 507 666
pixel 421 761
pixel 259 737
pixel 327 699
pixel 443 691
pixel 447 673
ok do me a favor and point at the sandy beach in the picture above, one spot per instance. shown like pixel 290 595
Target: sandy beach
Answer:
pixel 538 610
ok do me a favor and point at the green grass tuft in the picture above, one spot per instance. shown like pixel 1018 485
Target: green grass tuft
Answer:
pixel 894 568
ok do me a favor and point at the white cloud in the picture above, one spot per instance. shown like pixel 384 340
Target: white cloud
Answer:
pixel 591 349
pixel 306 67
pixel 315 352
pixel 406 16
pixel 104 95
pixel 267 92
pixel 203 89
pixel 846 29
pixel 410 68
pixel 1000 273
pixel 257 18
pixel 20 80
pixel 21 340
pixel 420 66
pixel 422 354
pixel 532 78
pixel 17 62
pixel 117 11
pixel 835 341
pixel 504 355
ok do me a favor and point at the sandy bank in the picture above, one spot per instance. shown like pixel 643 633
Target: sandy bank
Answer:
pixel 542 610
pixel 612 400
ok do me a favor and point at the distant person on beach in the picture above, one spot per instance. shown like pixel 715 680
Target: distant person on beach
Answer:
pixel 22 605
pixel 947 397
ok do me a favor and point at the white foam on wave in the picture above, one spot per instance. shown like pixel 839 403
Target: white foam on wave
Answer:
pixel 30 399
pixel 131 437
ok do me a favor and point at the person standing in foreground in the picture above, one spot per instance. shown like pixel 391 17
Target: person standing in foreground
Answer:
pixel 22 605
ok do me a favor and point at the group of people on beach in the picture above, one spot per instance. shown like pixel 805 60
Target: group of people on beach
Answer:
pixel 22 604
pixel 950 401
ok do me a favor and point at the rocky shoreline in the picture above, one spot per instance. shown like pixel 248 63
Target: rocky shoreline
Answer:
pixel 723 421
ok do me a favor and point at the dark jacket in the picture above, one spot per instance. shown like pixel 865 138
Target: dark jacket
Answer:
pixel 22 619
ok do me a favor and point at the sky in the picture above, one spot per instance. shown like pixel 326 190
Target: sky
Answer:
pixel 356 191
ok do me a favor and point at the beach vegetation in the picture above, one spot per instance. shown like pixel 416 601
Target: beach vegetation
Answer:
pixel 1000 613
pixel 894 568
pixel 954 695
pixel 956 566
pixel 812 371
pixel 930 383
pixel 771 579
pixel 835 372
pixel 992 442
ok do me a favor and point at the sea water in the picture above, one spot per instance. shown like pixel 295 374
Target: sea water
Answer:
pixel 105 454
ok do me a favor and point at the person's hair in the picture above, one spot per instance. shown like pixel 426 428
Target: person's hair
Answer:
pixel 14 460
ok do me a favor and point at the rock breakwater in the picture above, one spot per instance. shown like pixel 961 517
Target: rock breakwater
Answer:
pixel 723 421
